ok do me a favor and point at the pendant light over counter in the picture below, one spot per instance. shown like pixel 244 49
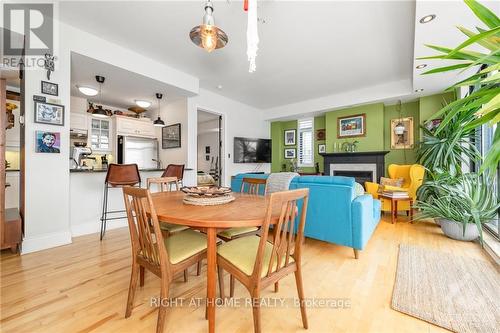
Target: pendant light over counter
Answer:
pixel 208 35
pixel 99 112
pixel 158 122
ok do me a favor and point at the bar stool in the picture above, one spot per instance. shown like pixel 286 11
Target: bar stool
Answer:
pixel 175 170
pixel 118 176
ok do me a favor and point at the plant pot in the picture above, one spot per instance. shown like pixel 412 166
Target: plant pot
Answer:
pixel 454 230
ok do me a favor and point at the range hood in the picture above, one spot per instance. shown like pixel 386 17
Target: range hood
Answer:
pixel 75 133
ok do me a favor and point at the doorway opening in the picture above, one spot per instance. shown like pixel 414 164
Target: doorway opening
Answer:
pixel 210 149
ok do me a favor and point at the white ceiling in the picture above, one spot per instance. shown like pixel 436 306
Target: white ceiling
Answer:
pixel 307 49
pixel 121 88
pixel 442 31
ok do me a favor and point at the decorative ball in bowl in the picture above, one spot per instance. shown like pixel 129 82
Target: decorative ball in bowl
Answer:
pixel 206 191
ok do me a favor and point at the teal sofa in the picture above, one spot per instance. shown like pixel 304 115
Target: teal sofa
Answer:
pixel 335 214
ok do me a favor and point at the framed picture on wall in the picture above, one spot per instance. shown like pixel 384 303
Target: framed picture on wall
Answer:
pixel 351 126
pixel 290 153
pixel 50 88
pixel 171 136
pixel 402 133
pixel 321 148
pixel 290 137
pixel 48 113
pixel 48 142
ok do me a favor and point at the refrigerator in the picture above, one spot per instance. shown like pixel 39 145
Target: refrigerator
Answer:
pixel 141 151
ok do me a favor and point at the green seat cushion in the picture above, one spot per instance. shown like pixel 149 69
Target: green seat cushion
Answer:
pixel 182 245
pixel 233 232
pixel 242 253
pixel 171 228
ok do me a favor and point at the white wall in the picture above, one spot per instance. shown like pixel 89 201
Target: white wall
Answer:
pixel 238 120
pixel 173 113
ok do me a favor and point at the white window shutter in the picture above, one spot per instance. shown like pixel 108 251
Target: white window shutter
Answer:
pixel 306 142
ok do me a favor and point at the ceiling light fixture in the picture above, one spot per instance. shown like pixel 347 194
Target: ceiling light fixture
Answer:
pixel 427 18
pixel 419 90
pixel 142 104
pixel 87 91
pixel 421 66
pixel 208 35
pixel 99 112
pixel 158 122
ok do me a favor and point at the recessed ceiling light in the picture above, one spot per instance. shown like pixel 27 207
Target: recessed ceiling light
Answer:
pixel 419 90
pixel 88 91
pixel 219 86
pixel 421 66
pixel 143 104
pixel 427 18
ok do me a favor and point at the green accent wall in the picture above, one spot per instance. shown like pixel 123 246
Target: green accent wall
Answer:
pixel 374 138
pixel 378 136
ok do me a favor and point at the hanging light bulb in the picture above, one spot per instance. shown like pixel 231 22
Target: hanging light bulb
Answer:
pixel 158 122
pixel 208 35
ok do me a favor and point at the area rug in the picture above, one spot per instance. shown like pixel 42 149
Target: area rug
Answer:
pixel 458 293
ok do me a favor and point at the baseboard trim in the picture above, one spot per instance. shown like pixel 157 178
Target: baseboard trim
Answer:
pixel 95 227
pixel 45 241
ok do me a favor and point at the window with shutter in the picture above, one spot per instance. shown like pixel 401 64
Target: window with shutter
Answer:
pixel 305 142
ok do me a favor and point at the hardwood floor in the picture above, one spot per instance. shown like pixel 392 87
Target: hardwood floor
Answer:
pixel 83 287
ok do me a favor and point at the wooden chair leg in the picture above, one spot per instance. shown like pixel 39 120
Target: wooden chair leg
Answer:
pixel 300 291
pixel 256 312
pixel 162 310
pixel 198 268
pixel 186 275
pixel 131 289
pixel 221 282
pixel 231 286
pixel 356 253
pixel 276 287
pixel 141 276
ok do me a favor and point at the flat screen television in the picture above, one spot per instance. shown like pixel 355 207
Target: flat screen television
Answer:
pixel 248 150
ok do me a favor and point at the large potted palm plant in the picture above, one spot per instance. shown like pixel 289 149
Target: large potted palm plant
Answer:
pixel 462 205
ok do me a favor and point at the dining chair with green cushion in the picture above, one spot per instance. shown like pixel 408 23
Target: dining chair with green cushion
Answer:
pixel 164 257
pixel 258 263
pixel 250 186
pixel 164 184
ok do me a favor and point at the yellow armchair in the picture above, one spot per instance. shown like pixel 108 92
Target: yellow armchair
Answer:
pixel 412 175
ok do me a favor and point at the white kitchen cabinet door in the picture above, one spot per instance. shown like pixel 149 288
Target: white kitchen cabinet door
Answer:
pixel 78 121
pixel 12 192
pixel 100 134
pixel 13 135
pixel 134 127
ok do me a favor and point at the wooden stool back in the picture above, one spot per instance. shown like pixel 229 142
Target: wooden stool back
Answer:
pixel 252 185
pixel 164 183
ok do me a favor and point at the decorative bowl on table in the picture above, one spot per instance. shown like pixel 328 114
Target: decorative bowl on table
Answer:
pixel 206 191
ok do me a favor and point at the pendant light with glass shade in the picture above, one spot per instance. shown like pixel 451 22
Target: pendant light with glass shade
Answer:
pixel 399 129
pixel 158 122
pixel 208 35
pixel 99 112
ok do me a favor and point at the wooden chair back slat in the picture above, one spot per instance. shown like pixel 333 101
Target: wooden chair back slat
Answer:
pixel 252 185
pixel 287 241
pixel 164 184
pixel 145 232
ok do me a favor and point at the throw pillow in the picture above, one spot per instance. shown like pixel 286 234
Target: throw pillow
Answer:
pixel 397 182
pixel 358 189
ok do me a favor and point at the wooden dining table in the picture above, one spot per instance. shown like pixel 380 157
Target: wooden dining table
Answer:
pixel 245 211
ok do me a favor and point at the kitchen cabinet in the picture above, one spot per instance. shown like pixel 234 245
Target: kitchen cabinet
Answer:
pixel 13 135
pixel 135 127
pixel 100 134
pixel 78 121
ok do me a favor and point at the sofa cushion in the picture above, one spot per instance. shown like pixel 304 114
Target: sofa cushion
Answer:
pixel 334 180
